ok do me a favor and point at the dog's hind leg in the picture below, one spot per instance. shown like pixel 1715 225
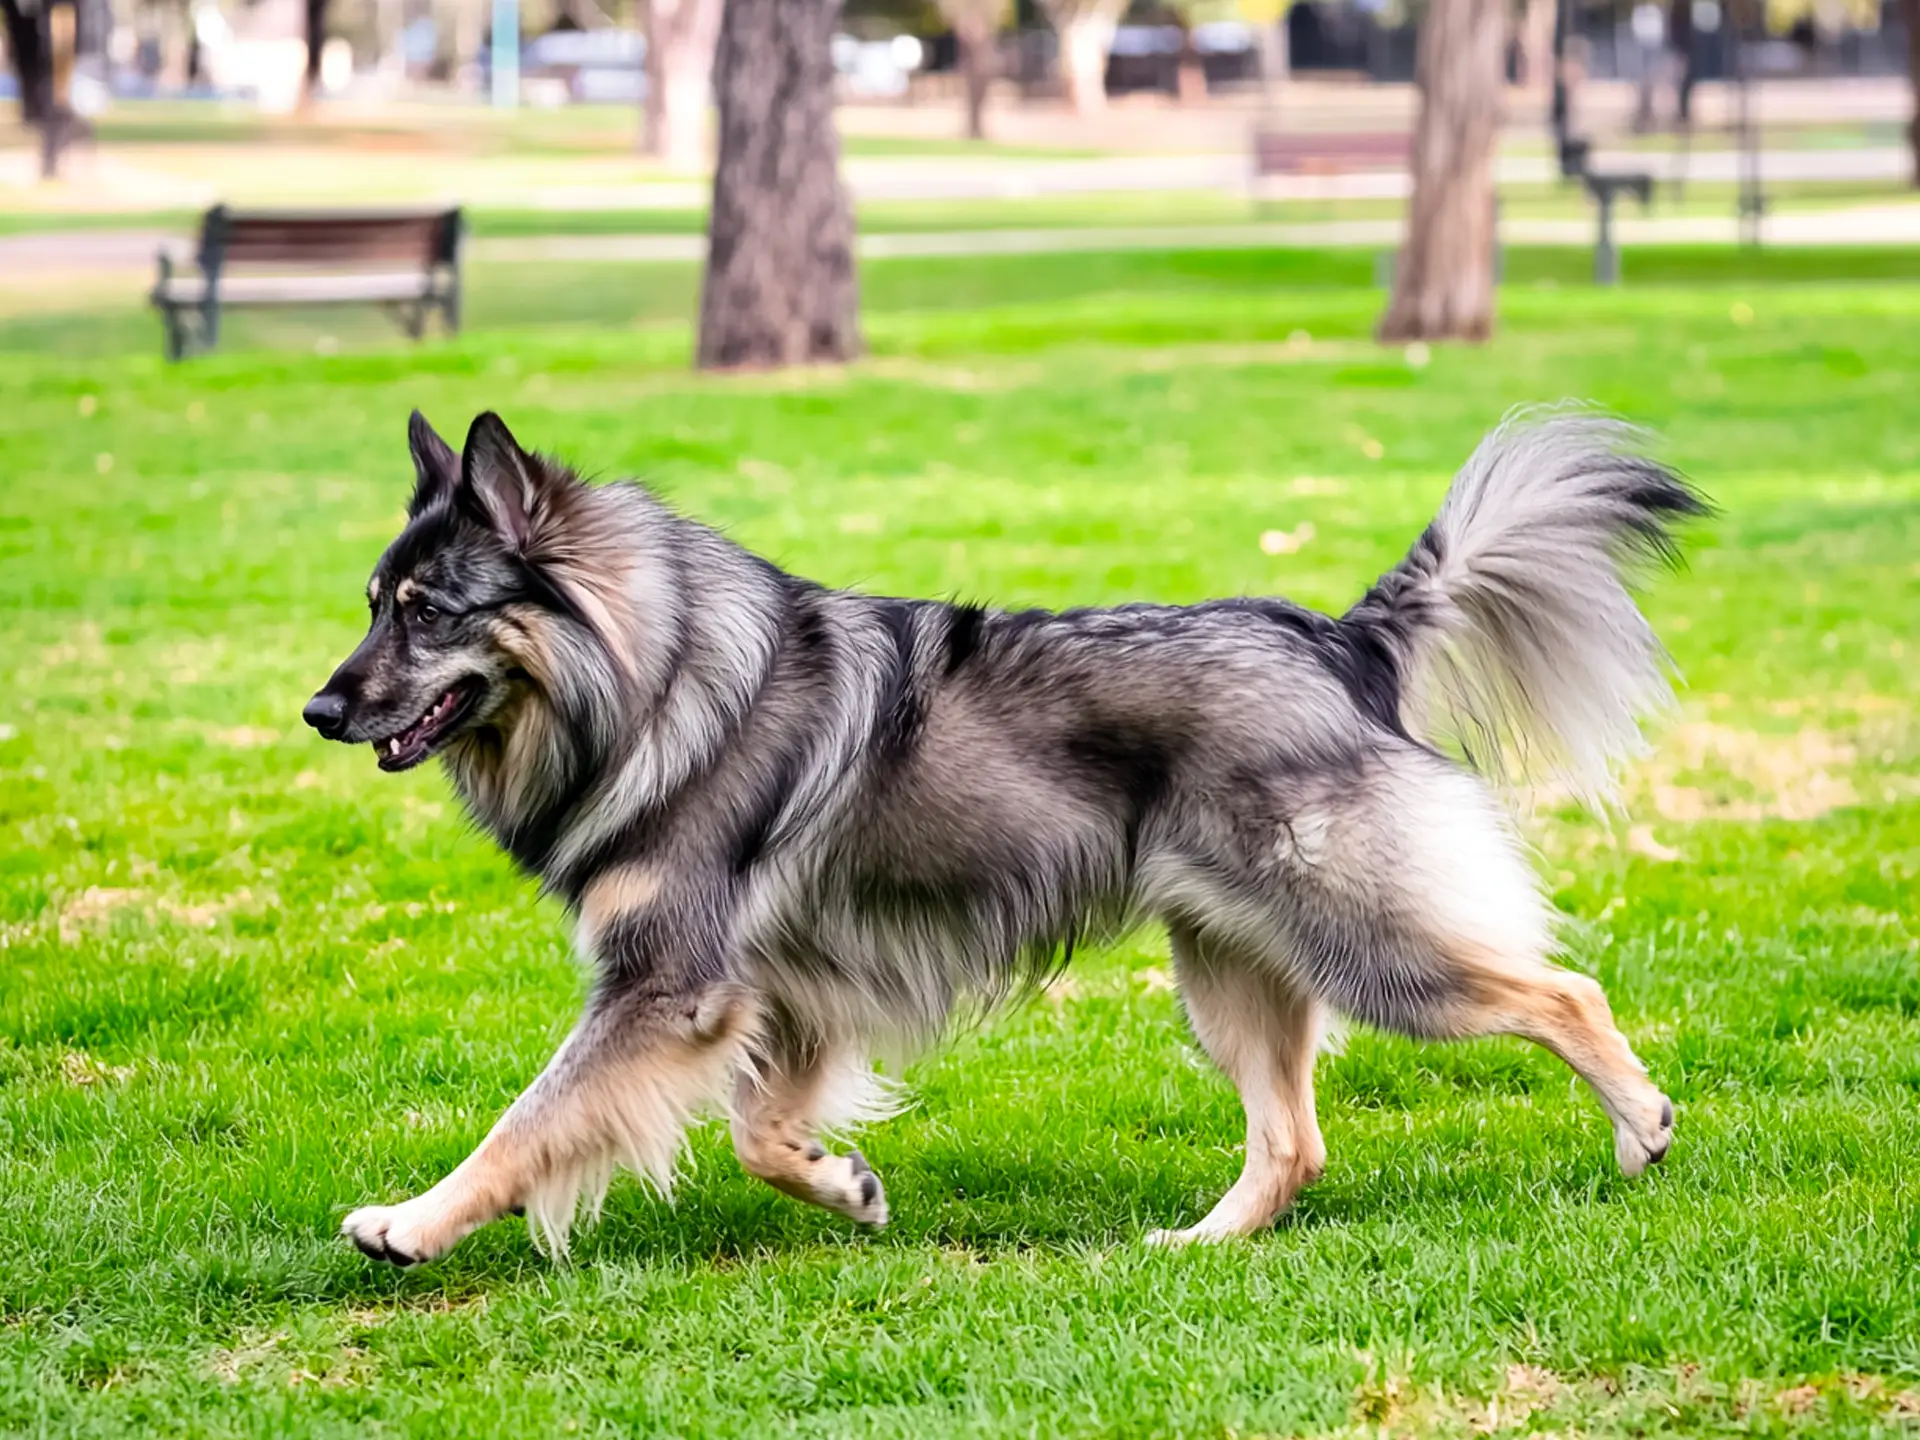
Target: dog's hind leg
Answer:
pixel 1416 911
pixel 1263 1030
pixel 780 1107
pixel 619 1091
pixel 1568 1014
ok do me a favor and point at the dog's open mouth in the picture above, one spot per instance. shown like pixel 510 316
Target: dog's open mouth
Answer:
pixel 415 743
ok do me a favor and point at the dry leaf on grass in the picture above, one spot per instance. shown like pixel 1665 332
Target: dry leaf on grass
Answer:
pixel 1286 542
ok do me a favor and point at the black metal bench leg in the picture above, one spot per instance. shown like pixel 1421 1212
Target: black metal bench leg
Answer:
pixel 1606 257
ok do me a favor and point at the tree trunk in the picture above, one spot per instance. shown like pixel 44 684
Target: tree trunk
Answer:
pixel 316 46
pixel 1912 9
pixel 1276 53
pixel 1536 43
pixel 1085 39
pixel 780 286
pixel 57 121
pixel 978 62
pixel 1443 281
pixel 27 48
pixel 680 40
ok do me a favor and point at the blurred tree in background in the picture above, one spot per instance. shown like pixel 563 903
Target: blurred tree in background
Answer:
pixel 976 29
pixel 1912 11
pixel 1443 278
pixel 27 49
pixel 780 286
pixel 1085 28
pixel 316 17
pixel 680 40
pixel 1269 21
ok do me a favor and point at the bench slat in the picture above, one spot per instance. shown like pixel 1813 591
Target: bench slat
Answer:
pixel 261 240
pixel 301 289
pixel 1304 152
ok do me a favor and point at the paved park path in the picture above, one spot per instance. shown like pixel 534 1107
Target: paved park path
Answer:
pixel 105 251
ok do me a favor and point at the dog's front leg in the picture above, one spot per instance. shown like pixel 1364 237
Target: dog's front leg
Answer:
pixel 619 1091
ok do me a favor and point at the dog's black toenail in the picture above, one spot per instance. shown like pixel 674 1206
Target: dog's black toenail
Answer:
pixel 816 1151
pixel 519 1210
pixel 869 1187
pixel 1657 1156
pixel 378 1249
pixel 1666 1114
pixel 859 1163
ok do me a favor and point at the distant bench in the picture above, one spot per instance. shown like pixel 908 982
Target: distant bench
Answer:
pixel 1326 154
pixel 406 260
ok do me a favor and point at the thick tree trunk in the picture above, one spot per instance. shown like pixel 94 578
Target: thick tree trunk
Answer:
pixel 1912 9
pixel 780 286
pixel 27 49
pixel 978 63
pixel 680 40
pixel 1536 44
pixel 1085 40
pixel 1443 282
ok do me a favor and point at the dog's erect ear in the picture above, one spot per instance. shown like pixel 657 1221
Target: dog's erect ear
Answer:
pixel 503 483
pixel 436 468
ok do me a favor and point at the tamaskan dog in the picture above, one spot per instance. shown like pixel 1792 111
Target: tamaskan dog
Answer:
pixel 797 827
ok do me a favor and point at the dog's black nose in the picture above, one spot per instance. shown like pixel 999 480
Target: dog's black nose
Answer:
pixel 327 713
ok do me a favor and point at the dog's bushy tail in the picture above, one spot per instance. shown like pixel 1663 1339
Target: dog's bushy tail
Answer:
pixel 1512 622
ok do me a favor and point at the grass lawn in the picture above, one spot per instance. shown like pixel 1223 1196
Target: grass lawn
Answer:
pixel 248 983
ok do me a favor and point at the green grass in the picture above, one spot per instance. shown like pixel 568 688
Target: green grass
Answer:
pixel 249 983
pixel 110 316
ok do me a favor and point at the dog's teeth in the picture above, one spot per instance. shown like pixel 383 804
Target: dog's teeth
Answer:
pixel 393 746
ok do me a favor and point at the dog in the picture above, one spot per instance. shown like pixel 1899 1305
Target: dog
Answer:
pixel 796 827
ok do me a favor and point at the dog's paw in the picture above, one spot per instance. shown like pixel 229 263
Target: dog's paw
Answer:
pixel 398 1234
pixel 854 1189
pixel 1643 1139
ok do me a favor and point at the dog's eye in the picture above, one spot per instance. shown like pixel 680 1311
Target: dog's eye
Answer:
pixel 429 614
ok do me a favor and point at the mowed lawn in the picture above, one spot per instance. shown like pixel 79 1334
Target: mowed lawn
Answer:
pixel 247 982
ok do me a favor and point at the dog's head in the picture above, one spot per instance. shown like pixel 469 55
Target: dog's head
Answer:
pixel 471 605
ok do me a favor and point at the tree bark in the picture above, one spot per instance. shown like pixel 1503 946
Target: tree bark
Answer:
pixel 58 122
pixel 1536 44
pixel 316 11
pixel 27 49
pixel 1085 39
pixel 1912 9
pixel 978 62
pixel 780 285
pixel 680 41
pixel 976 29
pixel 1443 281
pixel 1276 53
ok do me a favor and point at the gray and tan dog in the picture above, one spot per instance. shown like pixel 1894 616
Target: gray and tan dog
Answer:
pixel 799 825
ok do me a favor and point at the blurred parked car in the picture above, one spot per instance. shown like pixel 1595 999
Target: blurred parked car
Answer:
pixel 579 66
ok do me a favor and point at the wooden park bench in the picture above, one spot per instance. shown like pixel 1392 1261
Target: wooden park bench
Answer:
pixel 405 260
pixel 1327 155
